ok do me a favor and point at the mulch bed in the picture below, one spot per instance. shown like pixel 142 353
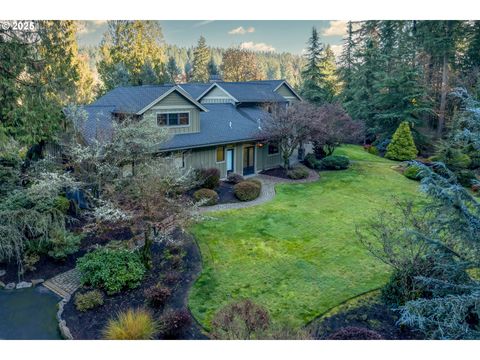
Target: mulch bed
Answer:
pixel 89 325
pixel 224 191
pixel 279 172
pixel 48 267
pixel 372 315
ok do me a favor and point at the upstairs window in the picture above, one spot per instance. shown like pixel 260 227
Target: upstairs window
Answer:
pixel 272 149
pixel 173 119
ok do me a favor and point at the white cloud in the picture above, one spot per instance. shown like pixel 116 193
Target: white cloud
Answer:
pixel 336 28
pixel 250 45
pixel 202 23
pixel 241 30
pixel 99 22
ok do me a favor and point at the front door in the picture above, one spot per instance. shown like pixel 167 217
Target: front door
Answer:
pixel 230 159
pixel 248 160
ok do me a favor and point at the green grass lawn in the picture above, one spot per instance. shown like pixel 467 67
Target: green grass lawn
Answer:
pixel 298 255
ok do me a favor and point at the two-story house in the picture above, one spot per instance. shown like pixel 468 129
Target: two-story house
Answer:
pixel 213 124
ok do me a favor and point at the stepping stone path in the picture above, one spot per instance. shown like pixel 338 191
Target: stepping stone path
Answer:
pixel 64 284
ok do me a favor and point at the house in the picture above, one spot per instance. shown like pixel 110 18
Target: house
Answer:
pixel 212 124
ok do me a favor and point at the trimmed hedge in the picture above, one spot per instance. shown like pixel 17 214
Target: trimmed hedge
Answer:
pixel 209 196
pixel 209 178
pixel 298 172
pixel 247 190
pixel 311 161
pixel 234 178
pixel 335 162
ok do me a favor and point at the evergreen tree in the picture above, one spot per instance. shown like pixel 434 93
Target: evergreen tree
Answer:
pixel 201 58
pixel 173 71
pixel 329 81
pixel 138 45
pixel 212 67
pixel 402 147
pixel 312 75
pixel 346 70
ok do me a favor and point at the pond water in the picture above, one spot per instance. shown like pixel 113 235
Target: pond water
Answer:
pixel 29 314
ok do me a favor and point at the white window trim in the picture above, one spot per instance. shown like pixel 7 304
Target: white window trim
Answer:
pixel 224 154
pixel 173 112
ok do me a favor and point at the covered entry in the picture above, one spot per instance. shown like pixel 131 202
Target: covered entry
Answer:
pixel 248 159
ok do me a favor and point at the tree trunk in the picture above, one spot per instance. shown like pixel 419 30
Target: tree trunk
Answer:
pixel 443 96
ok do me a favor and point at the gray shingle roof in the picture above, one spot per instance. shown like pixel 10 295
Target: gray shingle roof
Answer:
pixel 132 99
pixel 223 123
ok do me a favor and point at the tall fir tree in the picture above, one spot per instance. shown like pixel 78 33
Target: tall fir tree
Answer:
pixel 201 58
pixel 329 83
pixel 311 75
pixel 173 71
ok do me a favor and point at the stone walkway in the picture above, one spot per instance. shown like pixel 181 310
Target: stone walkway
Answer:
pixel 64 284
pixel 267 194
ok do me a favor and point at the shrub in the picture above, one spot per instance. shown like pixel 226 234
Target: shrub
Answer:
pixel 133 324
pixel 255 181
pixel 247 190
pixel 298 172
pixel 465 177
pixel 241 320
pixel 62 204
pixel 110 269
pixel 63 243
pixel 371 149
pixel 207 196
pixel 234 178
pixel 157 295
pixel 88 300
pixel 311 161
pixel 402 147
pixel 335 162
pixel 355 333
pixel 209 178
pixel 382 145
pixel 171 278
pixel 413 172
pixel 174 322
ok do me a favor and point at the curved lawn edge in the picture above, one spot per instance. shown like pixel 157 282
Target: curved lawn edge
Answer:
pixel 217 285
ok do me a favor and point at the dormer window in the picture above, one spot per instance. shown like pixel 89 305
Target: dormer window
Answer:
pixel 173 119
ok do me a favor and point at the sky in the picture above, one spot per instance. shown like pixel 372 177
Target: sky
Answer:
pixel 260 35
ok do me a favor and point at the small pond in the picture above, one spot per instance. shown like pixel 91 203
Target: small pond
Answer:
pixel 29 314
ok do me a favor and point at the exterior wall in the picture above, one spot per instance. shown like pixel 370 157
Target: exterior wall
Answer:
pixel 176 103
pixel 206 157
pixel 216 95
pixel 287 93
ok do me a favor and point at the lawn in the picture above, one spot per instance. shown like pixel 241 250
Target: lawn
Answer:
pixel 298 255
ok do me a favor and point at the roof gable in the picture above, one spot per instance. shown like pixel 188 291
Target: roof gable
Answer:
pixel 180 91
pixel 287 91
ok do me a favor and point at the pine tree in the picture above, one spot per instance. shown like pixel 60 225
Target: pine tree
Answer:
pixel 346 70
pixel 201 58
pixel 312 75
pixel 402 147
pixel 212 67
pixel 329 82
pixel 173 71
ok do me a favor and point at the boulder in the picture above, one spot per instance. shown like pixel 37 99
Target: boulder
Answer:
pixel 10 286
pixel 23 285
pixel 2 272
pixel 35 282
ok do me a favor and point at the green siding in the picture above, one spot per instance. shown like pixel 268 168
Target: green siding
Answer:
pixel 206 157
pixel 287 93
pixel 176 103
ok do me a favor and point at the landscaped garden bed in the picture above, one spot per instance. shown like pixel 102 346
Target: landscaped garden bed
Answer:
pixel 177 275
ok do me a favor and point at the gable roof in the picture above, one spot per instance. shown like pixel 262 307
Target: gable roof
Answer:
pixel 223 123
pixel 138 99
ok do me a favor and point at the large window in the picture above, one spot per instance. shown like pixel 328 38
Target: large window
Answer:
pixel 272 149
pixel 220 153
pixel 173 119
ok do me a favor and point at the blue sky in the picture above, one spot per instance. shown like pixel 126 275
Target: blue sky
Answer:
pixel 269 35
